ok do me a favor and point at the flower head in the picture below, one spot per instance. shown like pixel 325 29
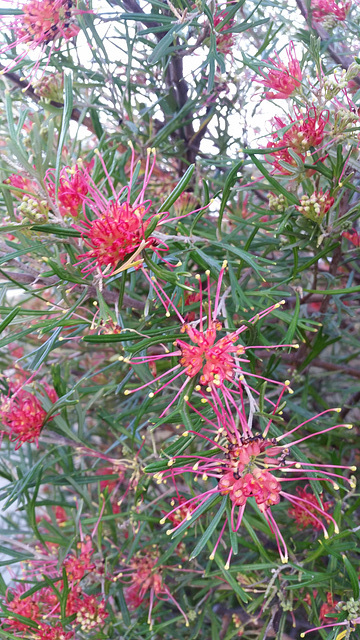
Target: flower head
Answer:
pixel 119 228
pixel 353 237
pixel 90 612
pixel 242 463
pixel 41 23
pixel 283 79
pixel 146 581
pixel 211 355
pixel 77 566
pixel 304 517
pixel 300 135
pixel 224 38
pixel 322 9
pixel 73 186
pixel 23 414
pixel 316 206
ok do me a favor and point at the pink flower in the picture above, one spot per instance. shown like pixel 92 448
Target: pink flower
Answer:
pixel 146 582
pixel 353 237
pixel 23 415
pixel 46 632
pixel 304 517
pixel 118 229
pixel 27 607
pixel 323 8
pixel 77 566
pixel 73 186
pixel 42 23
pixel 284 80
pixel 224 39
pixel 211 356
pixel 248 465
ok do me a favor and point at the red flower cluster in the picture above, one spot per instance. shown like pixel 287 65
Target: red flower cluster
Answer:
pixel 282 79
pixel 23 415
pixel 323 8
pixel 73 186
pixel 304 517
pixel 224 39
pixel 305 132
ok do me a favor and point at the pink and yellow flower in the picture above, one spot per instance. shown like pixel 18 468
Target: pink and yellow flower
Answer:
pixel 247 464
pixel 212 356
pixel 282 79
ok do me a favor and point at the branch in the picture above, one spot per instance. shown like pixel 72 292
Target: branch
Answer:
pixel 29 91
pixel 343 60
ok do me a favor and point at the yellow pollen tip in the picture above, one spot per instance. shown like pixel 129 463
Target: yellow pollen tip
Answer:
pixel 126 392
pixel 204 477
pixel 163 520
pixel 151 394
pixel 298 465
pixel 208 389
pixel 241 378
pixel 153 278
pixel 169 532
pixel 337 409
pixel 97 152
pixel 326 535
pixel 203 400
pixel 121 358
pixel 186 433
pixel 302 635
pixel 198 387
pixel 353 468
pixel 296 346
pixel 284 560
pixel 277 305
pixel 186 398
pixel 224 264
pixel 61 338
pixel 336 528
pixel 197 276
pixel 348 426
pixel 167 314
pixel 282 302
pixel 178 264
pixel 227 567
pixel 336 486
pixel 287 383
pixel 171 462
pixel 207 272
pixel 211 557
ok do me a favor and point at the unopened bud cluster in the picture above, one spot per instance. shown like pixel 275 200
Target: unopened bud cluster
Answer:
pixel 315 206
pixel 50 87
pixel 343 121
pixel 34 210
pixel 277 203
pixel 333 84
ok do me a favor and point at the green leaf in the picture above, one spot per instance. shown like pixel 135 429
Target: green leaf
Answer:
pixel 211 528
pixel 68 107
pixel 229 182
pixel 353 576
pixel 180 187
pixel 274 183
pixel 9 318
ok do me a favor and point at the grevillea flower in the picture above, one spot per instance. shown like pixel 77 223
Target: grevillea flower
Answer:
pixel 243 464
pixel 27 607
pixel 91 613
pixel 327 607
pixel 305 132
pixel 146 582
pixel 323 8
pixel 353 237
pixel 316 206
pixel 41 23
pixel 73 186
pixel 119 228
pixel 283 79
pixel 212 357
pixel 304 518
pixel 23 414
pixel 77 566
pixel 224 37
